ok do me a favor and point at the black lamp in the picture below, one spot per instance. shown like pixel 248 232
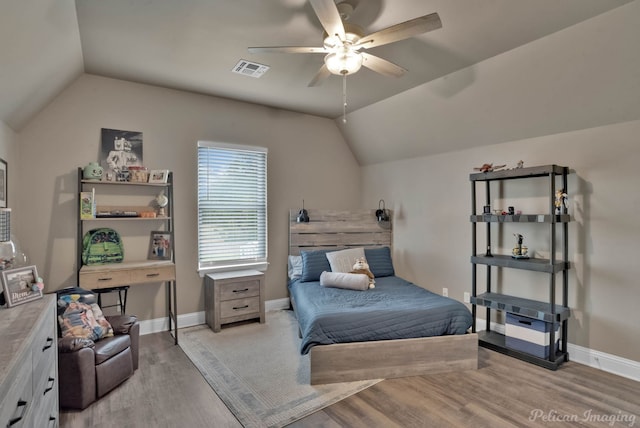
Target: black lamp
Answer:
pixel 303 216
pixel 381 213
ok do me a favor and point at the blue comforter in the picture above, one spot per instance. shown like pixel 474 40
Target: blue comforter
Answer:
pixel 395 309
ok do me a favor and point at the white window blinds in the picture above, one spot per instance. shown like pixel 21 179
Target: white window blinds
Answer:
pixel 232 206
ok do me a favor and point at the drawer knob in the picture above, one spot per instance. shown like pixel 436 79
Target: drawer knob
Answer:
pixel 151 275
pixel 105 279
pixel 235 308
pixel 13 421
pixel 244 290
pixel 53 382
pixel 48 345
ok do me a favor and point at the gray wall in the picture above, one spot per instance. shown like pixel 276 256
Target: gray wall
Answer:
pixel 307 159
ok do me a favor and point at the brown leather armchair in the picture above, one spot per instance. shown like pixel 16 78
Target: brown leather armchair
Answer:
pixel 88 370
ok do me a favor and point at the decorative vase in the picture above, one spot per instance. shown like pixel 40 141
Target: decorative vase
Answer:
pixel 93 171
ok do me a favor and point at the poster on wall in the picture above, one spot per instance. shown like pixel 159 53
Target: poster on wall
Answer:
pixel 120 150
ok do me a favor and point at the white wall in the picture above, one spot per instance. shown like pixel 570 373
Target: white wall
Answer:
pixel 571 98
pixel 8 139
pixel 307 159
pixel 432 232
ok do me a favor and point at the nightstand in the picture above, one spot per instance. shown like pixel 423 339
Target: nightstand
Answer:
pixel 233 296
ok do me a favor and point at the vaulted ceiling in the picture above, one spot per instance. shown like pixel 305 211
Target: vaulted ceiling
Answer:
pixel 193 45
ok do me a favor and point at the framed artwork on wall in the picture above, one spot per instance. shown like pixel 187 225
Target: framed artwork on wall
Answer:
pixel 160 245
pixel 3 183
pixel 120 150
pixel 18 285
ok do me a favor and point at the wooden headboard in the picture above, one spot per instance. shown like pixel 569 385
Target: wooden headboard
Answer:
pixel 337 229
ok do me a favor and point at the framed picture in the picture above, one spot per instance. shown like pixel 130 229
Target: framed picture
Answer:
pixel 120 150
pixel 18 285
pixel 160 245
pixel 4 175
pixel 158 175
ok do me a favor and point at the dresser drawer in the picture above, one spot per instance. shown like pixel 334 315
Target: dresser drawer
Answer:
pixel 239 307
pixel 153 274
pixel 104 279
pixel 45 400
pixel 18 399
pixel 240 289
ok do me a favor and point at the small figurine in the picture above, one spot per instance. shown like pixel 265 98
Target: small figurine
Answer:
pixel 520 164
pixel 520 251
pixel 488 167
pixel 561 201
pixel 161 201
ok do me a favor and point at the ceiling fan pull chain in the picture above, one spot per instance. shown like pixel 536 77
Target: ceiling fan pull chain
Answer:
pixel 344 98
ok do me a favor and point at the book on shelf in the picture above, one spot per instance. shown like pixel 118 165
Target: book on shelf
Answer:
pixel 88 205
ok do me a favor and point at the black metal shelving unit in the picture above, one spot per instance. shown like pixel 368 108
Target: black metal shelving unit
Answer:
pixel 548 311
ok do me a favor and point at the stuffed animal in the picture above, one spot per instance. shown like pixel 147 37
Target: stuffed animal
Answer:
pixel 361 266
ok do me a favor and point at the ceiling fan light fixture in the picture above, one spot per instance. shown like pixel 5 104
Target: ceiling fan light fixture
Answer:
pixel 344 61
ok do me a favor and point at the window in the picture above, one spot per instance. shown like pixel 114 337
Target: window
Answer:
pixel 232 207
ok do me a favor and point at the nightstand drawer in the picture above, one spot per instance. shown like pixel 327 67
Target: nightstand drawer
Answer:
pixel 153 274
pixel 238 307
pixel 240 289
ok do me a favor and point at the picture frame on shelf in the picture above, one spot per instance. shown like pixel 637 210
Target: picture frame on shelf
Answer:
pixel 4 177
pixel 18 285
pixel 158 176
pixel 120 150
pixel 161 245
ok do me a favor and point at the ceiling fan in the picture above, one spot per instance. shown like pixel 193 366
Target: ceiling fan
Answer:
pixel 344 44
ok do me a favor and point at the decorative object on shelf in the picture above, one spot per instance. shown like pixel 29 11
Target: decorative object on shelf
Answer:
pixel 158 176
pixel 519 251
pixel 120 149
pixel 18 285
pixel 520 164
pixel 511 210
pixel 160 245
pixel 382 214
pixel 561 201
pixel 139 174
pixel 88 205
pixel 161 201
pixel 123 174
pixel 92 171
pixel 488 167
pixel 102 246
pixel 303 215
pixel 486 209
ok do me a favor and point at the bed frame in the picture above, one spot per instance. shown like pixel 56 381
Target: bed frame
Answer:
pixel 344 362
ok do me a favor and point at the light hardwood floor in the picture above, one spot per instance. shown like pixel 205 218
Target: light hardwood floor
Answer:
pixel 168 391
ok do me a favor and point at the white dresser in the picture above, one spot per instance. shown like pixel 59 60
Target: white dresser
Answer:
pixel 29 364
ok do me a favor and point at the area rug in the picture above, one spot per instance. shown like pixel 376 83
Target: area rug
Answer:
pixel 258 372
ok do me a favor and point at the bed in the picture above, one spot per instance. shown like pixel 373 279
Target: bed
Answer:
pixel 393 330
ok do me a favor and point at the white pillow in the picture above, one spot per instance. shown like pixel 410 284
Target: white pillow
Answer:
pixel 294 267
pixel 343 260
pixel 350 281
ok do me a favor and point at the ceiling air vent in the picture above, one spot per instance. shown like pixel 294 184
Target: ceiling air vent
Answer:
pixel 251 69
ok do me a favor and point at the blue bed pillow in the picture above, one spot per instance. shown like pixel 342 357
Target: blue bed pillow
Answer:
pixel 379 260
pixel 313 264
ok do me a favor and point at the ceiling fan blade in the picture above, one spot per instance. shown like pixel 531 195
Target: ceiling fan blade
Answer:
pixel 382 66
pixel 329 17
pixel 320 76
pixel 287 49
pixel 401 31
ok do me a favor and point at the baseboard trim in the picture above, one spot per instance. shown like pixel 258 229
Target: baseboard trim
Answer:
pixel 196 318
pixel 589 357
